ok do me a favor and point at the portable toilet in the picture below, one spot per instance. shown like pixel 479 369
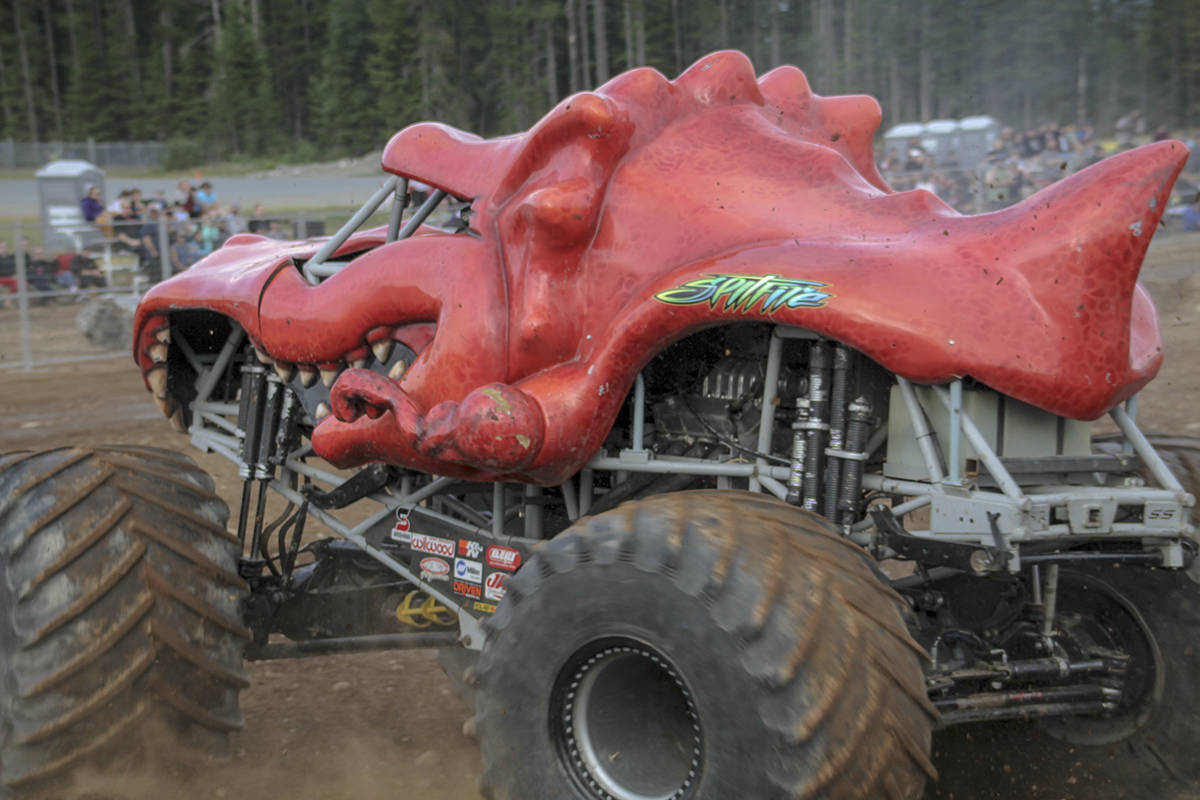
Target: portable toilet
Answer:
pixel 977 135
pixel 940 139
pixel 898 137
pixel 962 143
pixel 61 185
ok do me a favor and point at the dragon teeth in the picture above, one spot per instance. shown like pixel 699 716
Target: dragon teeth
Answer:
pixel 398 369
pixel 263 358
pixel 166 404
pixel 328 376
pixel 285 371
pixel 358 363
pixel 382 350
pixel 308 375
pixel 157 378
pixel 157 352
pixel 323 411
pixel 177 422
pixel 163 335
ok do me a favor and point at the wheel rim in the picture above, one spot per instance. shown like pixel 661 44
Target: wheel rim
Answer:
pixel 1096 613
pixel 626 723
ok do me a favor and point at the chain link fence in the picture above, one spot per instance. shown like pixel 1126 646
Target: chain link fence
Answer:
pixel 58 308
pixel 19 155
pixel 39 322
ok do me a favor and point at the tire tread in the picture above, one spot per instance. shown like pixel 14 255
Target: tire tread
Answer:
pixel 121 604
pixel 777 564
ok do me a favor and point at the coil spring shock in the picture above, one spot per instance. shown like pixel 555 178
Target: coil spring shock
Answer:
pixel 837 429
pixel 818 421
pixel 857 429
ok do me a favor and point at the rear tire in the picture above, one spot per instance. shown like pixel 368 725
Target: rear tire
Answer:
pixel 120 611
pixel 1159 735
pixel 701 645
pixel 1158 731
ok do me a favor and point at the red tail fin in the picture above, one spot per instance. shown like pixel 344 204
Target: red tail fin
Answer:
pixel 1095 225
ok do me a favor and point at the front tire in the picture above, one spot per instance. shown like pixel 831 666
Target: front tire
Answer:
pixel 119 610
pixel 701 645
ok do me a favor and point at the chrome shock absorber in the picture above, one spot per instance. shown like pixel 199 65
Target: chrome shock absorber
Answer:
pixel 799 442
pixel 857 430
pixel 818 422
pixel 250 408
pixel 837 429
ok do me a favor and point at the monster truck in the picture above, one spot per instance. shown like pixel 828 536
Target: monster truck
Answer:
pixel 714 467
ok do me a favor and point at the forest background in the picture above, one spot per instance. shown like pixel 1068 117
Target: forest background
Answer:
pixel 318 79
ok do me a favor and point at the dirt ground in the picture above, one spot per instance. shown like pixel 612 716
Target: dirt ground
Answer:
pixel 388 725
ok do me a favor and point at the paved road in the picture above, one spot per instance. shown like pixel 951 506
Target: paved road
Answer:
pixel 19 198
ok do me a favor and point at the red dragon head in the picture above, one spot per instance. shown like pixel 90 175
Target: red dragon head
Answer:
pixel 633 215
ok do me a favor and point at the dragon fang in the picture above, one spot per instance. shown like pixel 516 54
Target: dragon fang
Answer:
pixel 743 292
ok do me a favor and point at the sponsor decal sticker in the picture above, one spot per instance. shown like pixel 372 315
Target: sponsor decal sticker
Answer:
pixel 434 569
pixel 433 545
pixel 467 570
pixel 467 589
pixel 487 608
pixel 469 549
pixel 741 293
pixel 502 557
pixel 400 531
pixel 494 588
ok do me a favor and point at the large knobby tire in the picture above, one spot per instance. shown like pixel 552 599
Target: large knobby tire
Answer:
pixel 1157 614
pixel 701 645
pixel 1154 614
pixel 119 611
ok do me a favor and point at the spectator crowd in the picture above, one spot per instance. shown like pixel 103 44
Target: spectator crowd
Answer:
pixel 196 224
pixel 1018 163
pixel 68 272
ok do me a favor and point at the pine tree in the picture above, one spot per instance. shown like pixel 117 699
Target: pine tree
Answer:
pixel 393 68
pixel 242 111
pixel 344 110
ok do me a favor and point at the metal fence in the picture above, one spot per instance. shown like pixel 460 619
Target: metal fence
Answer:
pixel 41 298
pixel 37 320
pixel 19 155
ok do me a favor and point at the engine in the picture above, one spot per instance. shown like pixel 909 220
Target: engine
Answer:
pixel 706 396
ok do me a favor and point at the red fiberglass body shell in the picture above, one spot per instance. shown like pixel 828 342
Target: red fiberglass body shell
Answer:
pixel 635 215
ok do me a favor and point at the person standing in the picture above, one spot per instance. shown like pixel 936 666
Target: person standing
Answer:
pixel 8 272
pixel 206 198
pixel 148 251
